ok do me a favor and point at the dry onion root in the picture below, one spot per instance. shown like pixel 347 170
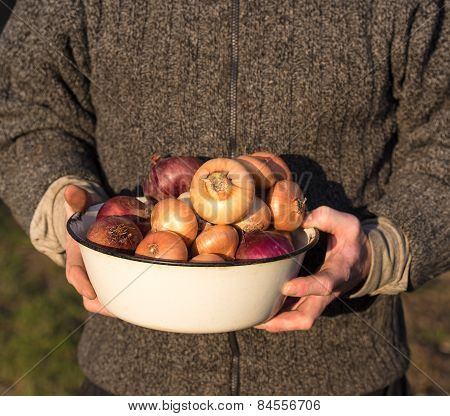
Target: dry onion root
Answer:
pixel 222 191
pixel 218 239
pixel 171 214
pixel 287 204
pixel 257 219
pixel 165 245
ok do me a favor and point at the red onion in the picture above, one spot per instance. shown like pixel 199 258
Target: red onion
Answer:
pixel 128 207
pixel 262 245
pixel 170 177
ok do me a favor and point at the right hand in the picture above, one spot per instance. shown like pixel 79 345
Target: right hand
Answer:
pixel 77 200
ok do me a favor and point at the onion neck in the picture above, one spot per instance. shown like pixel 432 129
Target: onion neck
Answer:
pixel 218 185
pixel 301 205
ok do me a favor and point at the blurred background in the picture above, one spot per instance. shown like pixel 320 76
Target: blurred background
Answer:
pixel 39 309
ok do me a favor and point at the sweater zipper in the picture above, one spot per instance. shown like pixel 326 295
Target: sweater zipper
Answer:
pixel 232 339
pixel 233 78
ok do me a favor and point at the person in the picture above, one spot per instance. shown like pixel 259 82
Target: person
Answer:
pixel 355 95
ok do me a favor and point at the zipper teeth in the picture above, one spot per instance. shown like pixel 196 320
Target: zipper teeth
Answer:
pixel 235 353
pixel 234 76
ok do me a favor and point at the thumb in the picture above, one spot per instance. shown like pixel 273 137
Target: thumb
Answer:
pixel 326 219
pixel 77 198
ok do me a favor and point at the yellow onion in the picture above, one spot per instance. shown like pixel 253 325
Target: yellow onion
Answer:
pixel 222 191
pixel 287 205
pixel 207 258
pixel 202 224
pixel 171 214
pixel 277 165
pixel 218 239
pixel 165 245
pixel 257 219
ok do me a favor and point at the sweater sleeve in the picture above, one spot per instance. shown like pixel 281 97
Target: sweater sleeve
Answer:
pixel 416 198
pixel 46 117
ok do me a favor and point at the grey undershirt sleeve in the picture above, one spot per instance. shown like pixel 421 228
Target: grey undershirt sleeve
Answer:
pixel 391 259
pixel 48 225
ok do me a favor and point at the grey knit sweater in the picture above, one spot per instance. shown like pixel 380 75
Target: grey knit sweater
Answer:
pixel 354 93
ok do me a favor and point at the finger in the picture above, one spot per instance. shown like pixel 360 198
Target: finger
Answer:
pixel 329 220
pixel 79 199
pixel 321 283
pixel 75 271
pixel 76 197
pixel 300 319
pixel 94 306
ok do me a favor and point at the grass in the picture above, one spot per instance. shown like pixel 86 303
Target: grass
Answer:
pixel 38 309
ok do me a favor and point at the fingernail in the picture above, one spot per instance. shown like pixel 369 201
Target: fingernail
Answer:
pixel 288 289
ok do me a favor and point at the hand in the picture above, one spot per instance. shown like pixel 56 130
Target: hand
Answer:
pixel 77 200
pixel 346 265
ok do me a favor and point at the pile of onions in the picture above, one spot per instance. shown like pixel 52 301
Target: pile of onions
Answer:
pixel 171 214
pixel 165 245
pixel 170 177
pixel 263 244
pixel 207 212
pixel 287 204
pixel 222 191
pixel 218 239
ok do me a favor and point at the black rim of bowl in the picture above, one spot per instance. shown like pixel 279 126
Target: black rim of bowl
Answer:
pixel 77 217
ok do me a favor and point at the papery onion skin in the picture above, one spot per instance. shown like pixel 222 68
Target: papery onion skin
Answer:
pixel 218 239
pixel 162 245
pixel 257 219
pixel 287 205
pixel 286 234
pixel 207 258
pixel 171 214
pixel 170 177
pixel 128 207
pixel 277 165
pixel 261 171
pixel 202 224
pixel 118 233
pixel 262 245
pixel 222 191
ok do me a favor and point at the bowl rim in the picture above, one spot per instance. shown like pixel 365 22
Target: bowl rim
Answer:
pixel 109 251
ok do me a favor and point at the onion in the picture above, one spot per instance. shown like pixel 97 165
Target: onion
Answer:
pixel 218 239
pixel 276 164
pixel 257 219
pixel 115 232
pixel 286 234
pixel 202 224
pixel 222 191
pixel 287 204
pixel 170 177
pixel 207 258
pixel 163 245
pixel 128 207
pixel 261 170
pixel 171 214
pixel 262 245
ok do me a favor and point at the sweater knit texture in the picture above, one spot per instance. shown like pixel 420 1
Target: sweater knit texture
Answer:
pixel 353 95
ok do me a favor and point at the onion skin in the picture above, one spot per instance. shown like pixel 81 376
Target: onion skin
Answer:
pixel 286 234
pixel 276 164
pixel 163 245
pixel 128 207
pixel 287 205
pixel 262 245
pixel 222 191
pixel 207 258
pixel 170 177
pixel 202 224
pixel 171 214
pixel 257 219
pixel 118 233
pixel 261 170
pixel 218 239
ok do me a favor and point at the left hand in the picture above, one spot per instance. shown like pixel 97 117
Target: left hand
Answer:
pixel 346 265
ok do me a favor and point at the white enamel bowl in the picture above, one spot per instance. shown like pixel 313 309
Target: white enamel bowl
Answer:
pixel 187 297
